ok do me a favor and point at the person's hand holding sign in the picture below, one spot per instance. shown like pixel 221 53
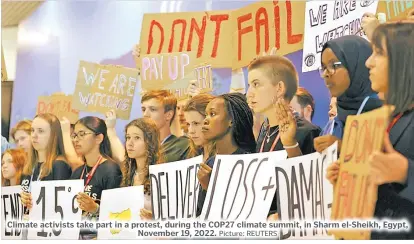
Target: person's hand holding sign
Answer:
pixel 86 203
pixel 26 198
pixel 332 172
pixel 369 23
pixel 192 89
pixel 203 175
pixel 388 166
pixel 145 214
pixel 323 142
pixel 65 125
pixel 110 119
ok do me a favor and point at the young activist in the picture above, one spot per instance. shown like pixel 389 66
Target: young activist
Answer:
pixel 21 134
pixel 12 163
pixel 160 106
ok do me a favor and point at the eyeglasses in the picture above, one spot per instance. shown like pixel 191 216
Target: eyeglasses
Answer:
pixel 331 68
pixel 80 135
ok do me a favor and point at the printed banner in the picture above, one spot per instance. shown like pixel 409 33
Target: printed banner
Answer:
pixel 11 209
pixel 174 189
pixel 170 71
pixel 55 200
pixel 100 88
pixel 355 194
pixel 327 20
pixel 241 187
pixel 59 105
pixel 305 193
pixel 261 26
pixel 123 205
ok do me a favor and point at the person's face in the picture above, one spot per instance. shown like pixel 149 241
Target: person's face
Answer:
pixel 195 123
pixel 217 122
pixel 336 76
pixel 8 171
pixel 377 64
pixel 85 140
pixel 261 93
pixel 40 134
pixel 135 142
pixel 154 109
pixel 332 109
pixel 180 114
pixel 22 139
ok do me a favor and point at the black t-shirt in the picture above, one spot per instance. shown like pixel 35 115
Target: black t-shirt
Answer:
pixel 107 176
pixel 202 193
pixel 176 148
pixel 60 171
pixel 305 133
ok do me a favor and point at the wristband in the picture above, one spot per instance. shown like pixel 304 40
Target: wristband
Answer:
pixel 290 147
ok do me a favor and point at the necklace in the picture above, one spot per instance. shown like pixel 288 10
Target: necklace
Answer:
pixel 273 133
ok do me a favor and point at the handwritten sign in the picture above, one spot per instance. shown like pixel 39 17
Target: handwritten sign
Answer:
pixel 304 192
pixel 225 39
pixel 241 187
pixel 327 20
pixel 120 205
pixel 11 209
pixel 395 9
pixel 3 66
pixel 55 200
pixel 174 188
pixel 204 78
pixel 355 194
pixel 100 88
pixel 59 105
pixel 171 71
pixel 260 26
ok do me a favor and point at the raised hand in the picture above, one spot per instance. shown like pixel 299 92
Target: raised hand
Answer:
pixel 192 89
pixel 110 119
pixel 287 123
pixel 203 175
pixel 65 125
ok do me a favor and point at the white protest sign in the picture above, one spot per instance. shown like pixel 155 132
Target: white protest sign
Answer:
pixel 121 205
pixel 174 189
pixel 55 202
pixel 241 186
pixel 327 20
pixel 11 209
pixel 304 192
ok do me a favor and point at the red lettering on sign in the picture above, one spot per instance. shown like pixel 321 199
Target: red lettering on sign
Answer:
pixel 354 128
pixel 242 31
pixel 200 33
pixel 151 38
pixel 262 22
pixel 183 22
pixel 276 12
pixel 291 39
pixel 218 19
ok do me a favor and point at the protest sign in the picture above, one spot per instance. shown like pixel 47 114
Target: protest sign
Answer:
pixel 241 187
pixel 100 88
pixel 55 202
pixel 304 193
pixel 204 32
pixel 11 209
pixel 58 104
pixel 3 66
pixel 327 20
pixel 174 189
pixel 122 205
pixel 395 9
pixel 204 78
pixel 355 193
pixel 170 71
pixel 260 26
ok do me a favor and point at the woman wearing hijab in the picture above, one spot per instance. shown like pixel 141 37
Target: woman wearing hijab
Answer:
pixel 347 78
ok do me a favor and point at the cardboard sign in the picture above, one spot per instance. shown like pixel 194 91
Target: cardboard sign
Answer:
pixel 327 20
pixel 59 105
pixel 260 26
pixel 171 71
pixel 11 209
pixel 241 187
pixel 225 39
pixel 100 88
pixel 304 193
pixel 355 194
pixel 3 66
pixel 206 33
pixel 204 78
pixel 55 200
pixel 174 189
pixel 121 205
pixel 395 9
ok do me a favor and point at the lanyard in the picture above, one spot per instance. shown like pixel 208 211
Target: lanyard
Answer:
pixel 394 121
pixel 273 145
pixel 165 139
pixel 90 175
pixel 362 105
